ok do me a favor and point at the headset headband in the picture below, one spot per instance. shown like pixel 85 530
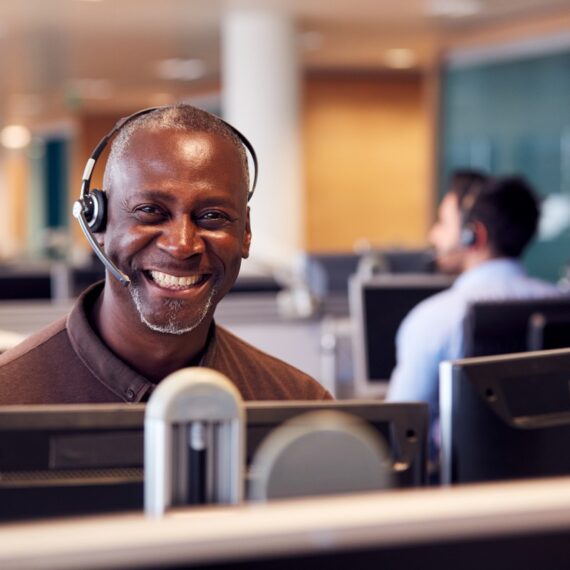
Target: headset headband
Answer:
pixel 91 161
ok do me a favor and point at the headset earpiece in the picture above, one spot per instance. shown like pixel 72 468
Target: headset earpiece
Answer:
pixel 468 231
pixel 468 236
pixel 95 209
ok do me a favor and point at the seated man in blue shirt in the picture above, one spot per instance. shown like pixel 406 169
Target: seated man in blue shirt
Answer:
pixel 483 226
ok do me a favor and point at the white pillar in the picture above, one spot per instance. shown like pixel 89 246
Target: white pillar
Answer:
pixel 260 96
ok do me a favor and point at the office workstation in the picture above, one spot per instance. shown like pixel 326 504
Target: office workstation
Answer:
pixel 400 523
pixel 88 459
pixel 523 524
pixel 358 123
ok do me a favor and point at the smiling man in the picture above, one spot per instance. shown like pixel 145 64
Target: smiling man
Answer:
pixel 177 225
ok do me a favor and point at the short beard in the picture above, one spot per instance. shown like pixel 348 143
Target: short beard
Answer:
pixel 173 307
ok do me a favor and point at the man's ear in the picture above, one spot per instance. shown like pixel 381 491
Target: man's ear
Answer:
pixel 481 235
pixel 246 243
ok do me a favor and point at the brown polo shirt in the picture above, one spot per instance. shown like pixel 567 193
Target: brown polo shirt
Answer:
pixel 67 362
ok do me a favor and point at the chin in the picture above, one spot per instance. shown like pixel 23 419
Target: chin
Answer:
pixel 171 328
pixel 173 317
pixel 448 264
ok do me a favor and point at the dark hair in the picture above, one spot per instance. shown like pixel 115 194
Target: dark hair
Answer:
pixel 466 181
pixel 509 210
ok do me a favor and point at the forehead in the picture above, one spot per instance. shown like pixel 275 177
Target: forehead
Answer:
pixel 161 154
pixel 449 206
pixel 180 144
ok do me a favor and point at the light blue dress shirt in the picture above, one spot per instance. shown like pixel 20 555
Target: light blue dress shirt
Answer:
pixel 433 330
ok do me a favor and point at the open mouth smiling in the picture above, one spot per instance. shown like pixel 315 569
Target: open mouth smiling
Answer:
pixel 176 282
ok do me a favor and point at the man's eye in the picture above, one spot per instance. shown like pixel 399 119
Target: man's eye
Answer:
pixel 214 219
pixel 148 213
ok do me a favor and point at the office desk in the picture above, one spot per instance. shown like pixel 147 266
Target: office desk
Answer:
pixel 508 525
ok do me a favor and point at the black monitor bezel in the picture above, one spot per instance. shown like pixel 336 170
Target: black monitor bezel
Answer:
pixel 366 385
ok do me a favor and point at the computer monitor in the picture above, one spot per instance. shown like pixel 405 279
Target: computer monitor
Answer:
pixel 502 326
pixel 328 273
pixel 18 284
pixel 80 459
pixel 547 330
pixel 70 459
pixel 505 417
pixel 378 305
pixel 397 260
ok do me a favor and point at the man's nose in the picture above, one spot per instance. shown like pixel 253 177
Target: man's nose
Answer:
pixel 181 238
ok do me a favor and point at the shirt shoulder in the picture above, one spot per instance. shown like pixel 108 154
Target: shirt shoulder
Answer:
pixel 436 313
pixel 34 345
pixel 260 376
pixel 46 369
pixel 29 371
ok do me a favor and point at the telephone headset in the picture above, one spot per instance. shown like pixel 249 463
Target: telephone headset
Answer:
pixel 91 207
pixel 468 234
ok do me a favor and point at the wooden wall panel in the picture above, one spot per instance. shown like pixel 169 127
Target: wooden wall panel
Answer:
pixel 17 184
pixel 366 153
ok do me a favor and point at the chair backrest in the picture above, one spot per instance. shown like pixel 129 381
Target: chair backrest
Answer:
pixel 547 330
pixel 320 453
pixel 501 327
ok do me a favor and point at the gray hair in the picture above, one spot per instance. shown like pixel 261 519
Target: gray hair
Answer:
pixel 180 117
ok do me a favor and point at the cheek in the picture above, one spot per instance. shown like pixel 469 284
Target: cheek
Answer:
pixel 454 235
pixel 228 249
pixel 127 242
pixel 445 236
pixel 437 236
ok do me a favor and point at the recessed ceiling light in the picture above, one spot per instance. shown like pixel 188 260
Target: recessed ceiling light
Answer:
pixel 15 136
pixel 178 69
pixel 400 58
pixel 453 8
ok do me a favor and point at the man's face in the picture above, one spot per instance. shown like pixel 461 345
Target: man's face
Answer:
pixel 178 226
pixel 445 236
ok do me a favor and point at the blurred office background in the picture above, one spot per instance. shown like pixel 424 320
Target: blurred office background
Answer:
pixel 358 109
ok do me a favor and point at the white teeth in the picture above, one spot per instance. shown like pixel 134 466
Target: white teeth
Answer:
pixel 173 282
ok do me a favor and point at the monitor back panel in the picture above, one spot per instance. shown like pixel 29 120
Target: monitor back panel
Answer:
pixel 509 419
pixel 63 460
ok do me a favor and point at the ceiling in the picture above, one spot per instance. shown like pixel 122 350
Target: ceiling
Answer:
pixel 58 56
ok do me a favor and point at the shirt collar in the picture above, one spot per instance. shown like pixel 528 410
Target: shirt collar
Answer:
pixel 505 268
pixel 108 368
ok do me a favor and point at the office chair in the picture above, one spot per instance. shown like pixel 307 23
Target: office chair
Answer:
pixel 319 453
